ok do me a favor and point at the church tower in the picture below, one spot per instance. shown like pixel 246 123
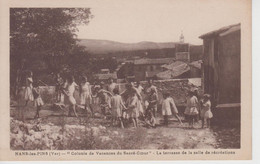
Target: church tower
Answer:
pixel 182 50
pixel 182 38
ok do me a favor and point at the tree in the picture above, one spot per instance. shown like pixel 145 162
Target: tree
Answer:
pixel 46 33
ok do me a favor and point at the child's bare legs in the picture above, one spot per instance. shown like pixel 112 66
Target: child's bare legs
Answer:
pixel 26 102
pixel 178 118
pixel 103 110
pixel 72 108
pixel 91 109
pixel 134 122
pixel 37 112
pixel 121 122
pixel 202 123
pixel 208 123
pixel 192 120
pixel 165 120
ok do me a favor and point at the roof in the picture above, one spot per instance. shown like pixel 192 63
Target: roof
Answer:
pixel 102 76
pixel 196 64
pixel 173 65
pixel 144 61
pixel 221 31
pixel 174 70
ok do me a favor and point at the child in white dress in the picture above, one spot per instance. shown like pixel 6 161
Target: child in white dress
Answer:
pixel 69 89
pixel 116 106
pixel 206 113
pixel 132 107
pixel 86 94
pixel 28 96
pixel 169 108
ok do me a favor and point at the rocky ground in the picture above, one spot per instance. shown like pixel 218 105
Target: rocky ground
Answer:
pixel 55 131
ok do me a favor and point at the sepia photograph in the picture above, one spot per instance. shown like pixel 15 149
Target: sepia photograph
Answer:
pixel 127 76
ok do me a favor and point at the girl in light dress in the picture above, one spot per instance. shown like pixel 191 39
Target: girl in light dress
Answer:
pixel 139 90
pixel 169 108
pixel 86 94
pixel 69 89
pixel 28 96
pixel 38 103
pixel 116 106
pixel 205 112
pixel 132 107
pixel 191 109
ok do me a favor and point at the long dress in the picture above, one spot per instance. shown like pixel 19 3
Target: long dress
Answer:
pixel 28 95
pixel 132 107
pixel 140 104
pixel 116 106
pixel 70 89
pixel 169 107
pixel 85 95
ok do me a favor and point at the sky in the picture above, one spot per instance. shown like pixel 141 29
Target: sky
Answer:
pixel 159 20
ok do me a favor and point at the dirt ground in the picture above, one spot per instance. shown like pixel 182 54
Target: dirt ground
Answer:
pixel 175 136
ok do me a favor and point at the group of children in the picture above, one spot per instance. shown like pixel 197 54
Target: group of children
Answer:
pixel 128 105
pixel 198 109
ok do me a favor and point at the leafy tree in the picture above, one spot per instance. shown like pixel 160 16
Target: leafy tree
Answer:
pixel 44 33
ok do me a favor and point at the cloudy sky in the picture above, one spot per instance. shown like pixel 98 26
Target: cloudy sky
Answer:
pixel 160 20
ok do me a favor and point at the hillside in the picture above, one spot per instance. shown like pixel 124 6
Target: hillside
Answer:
pixel 106 46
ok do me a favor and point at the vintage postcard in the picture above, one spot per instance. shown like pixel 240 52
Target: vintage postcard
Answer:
pixel 125 80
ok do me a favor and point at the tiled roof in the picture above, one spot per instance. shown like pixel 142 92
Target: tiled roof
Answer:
pixel 174 69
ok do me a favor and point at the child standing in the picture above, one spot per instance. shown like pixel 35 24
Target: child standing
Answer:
pixel 206 113
pixel 132 107
pixel 58 88
pixel 69 89
pixel 192 108
pixel 37 100
pixel 28 90
pixel 104 99
pixel 169 108
pixel 116 106
pixel 86 94
pixel 152 100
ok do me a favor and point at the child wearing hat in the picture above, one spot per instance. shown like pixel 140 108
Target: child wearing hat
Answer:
pixel 206 113
pixel 192 108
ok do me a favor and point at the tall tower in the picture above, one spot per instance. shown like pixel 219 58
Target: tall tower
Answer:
pixel 182 38
pixel 182 50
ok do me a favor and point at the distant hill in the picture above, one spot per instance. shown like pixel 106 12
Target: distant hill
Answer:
pixel 106 46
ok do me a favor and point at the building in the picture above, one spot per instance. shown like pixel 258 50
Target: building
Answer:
pixel 182 50
pixel 148 68
pixel 104 75
pixel 221 66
